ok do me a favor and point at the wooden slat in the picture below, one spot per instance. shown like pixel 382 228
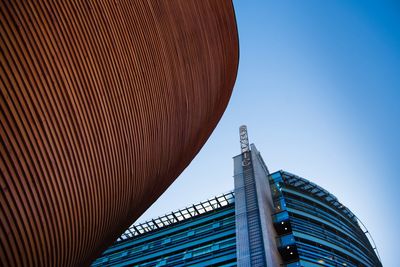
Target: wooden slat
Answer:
pixel 102 105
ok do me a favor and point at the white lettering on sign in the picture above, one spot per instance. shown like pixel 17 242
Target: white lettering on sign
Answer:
pixel 244 145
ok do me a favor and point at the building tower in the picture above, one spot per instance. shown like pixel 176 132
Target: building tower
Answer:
pixel 255 236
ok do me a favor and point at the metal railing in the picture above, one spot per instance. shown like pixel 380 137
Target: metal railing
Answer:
pixel 369 236
pixel 178 216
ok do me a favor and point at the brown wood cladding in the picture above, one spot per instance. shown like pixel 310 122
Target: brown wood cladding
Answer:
pixel 103 104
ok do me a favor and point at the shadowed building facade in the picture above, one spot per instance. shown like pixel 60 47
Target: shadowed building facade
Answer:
pixel 103 104
pixel 200 235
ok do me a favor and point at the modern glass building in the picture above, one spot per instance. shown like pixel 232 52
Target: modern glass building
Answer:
pixel 276 219
pixel 200 235
pixel 314 229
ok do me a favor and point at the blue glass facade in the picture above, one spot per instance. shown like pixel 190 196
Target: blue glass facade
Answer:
pixel 276 219
pixel 314 229
pixel 201 235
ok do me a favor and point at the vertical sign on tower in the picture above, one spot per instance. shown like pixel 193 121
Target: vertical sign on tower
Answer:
pixel 244 145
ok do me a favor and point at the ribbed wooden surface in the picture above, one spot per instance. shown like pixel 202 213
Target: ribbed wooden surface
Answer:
pixel 103 104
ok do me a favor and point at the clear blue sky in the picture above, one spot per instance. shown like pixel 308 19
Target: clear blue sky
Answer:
pixel 319 89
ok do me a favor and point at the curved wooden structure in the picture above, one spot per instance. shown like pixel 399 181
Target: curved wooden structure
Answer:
pixel 103 104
